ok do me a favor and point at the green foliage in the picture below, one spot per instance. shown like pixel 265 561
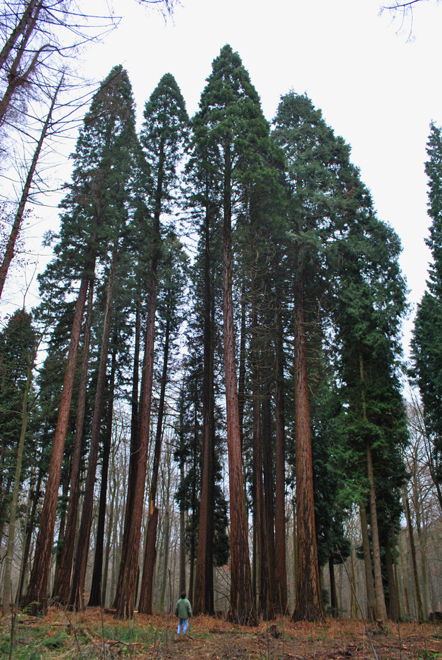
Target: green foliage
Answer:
pixel 17 345
pixel 426 344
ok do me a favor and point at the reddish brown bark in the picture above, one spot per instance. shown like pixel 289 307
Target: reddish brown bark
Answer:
pixel 134 444
pixel 79 573
pixel 97 573
pixel 36 598
pixel 150 556
pixel 267 455
pixel 125 596
pixel 242 367
pixel 203 601
pixel 308 589
pixel 145 604
pixel 280 550
pixel 63 573
pixel 265 604
pixel 241 600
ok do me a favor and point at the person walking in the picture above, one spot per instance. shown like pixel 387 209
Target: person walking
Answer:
pixel 183 611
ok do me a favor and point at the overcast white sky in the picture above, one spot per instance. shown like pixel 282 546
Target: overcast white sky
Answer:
pixel 375 88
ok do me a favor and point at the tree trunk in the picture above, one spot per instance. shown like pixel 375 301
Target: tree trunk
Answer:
pixel 109 533
pixel 36 598
pixel 369 584
pixel 20 28
pixel 182 534
pixel 10 246
pixel 95 599
pixel 333 594
pixel 166 558
pixel 8 599
pixel 29 530
pixel 266 436
pixel 280 550
pixel 419 607
pixel 265 604
pixel 241 601
pixel 18 77
pixel 203 602
pixel 124 599
pixel 381 610
pixel 242 367
pixel 79 573
pixel 308 588
pixel 145 604
pixel 134 440
pixel 393 609
pixel 63 573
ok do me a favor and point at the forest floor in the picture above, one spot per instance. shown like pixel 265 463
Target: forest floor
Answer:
pixel 94 635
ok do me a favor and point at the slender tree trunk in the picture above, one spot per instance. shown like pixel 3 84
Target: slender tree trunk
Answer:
pixel 109 533
pixel 182 540
pixel 265 606
pixel 423 554
pixel 10 246
pixel 268 460
pixel 393 609
pixel 203 602
pixel 79 572
pixel 63 573
pixel 308 588
pixel 333 594
pixel 145 604
pixel 419 607
pixel 381 610
pixel 166 543
pixel 241 600
pixel 8 599
pixel 134 440
pixel 124 599
pixel 95 599
pixel 29 529
pixel 280 549
pixel 369 584
pixel 37 594
pixel 242 366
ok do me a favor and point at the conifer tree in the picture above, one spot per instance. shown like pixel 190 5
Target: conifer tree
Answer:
pixel 163 134
pixel 230 130
pixel 369 306
pixel 426 344
pixel 87 224
pixel 314 157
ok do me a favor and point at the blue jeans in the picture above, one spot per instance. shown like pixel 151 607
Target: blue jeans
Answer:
pixel 184 623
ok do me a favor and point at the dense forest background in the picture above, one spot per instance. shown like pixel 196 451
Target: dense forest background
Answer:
pixel 209 396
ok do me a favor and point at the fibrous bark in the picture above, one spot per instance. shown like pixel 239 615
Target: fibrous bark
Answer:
pixel 308 589
pixel 62 578
pixel 36 598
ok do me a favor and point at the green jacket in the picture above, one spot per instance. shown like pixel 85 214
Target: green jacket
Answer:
pixel 183 608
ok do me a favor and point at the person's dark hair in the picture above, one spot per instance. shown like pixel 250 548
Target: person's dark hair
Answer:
pixel 183 595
